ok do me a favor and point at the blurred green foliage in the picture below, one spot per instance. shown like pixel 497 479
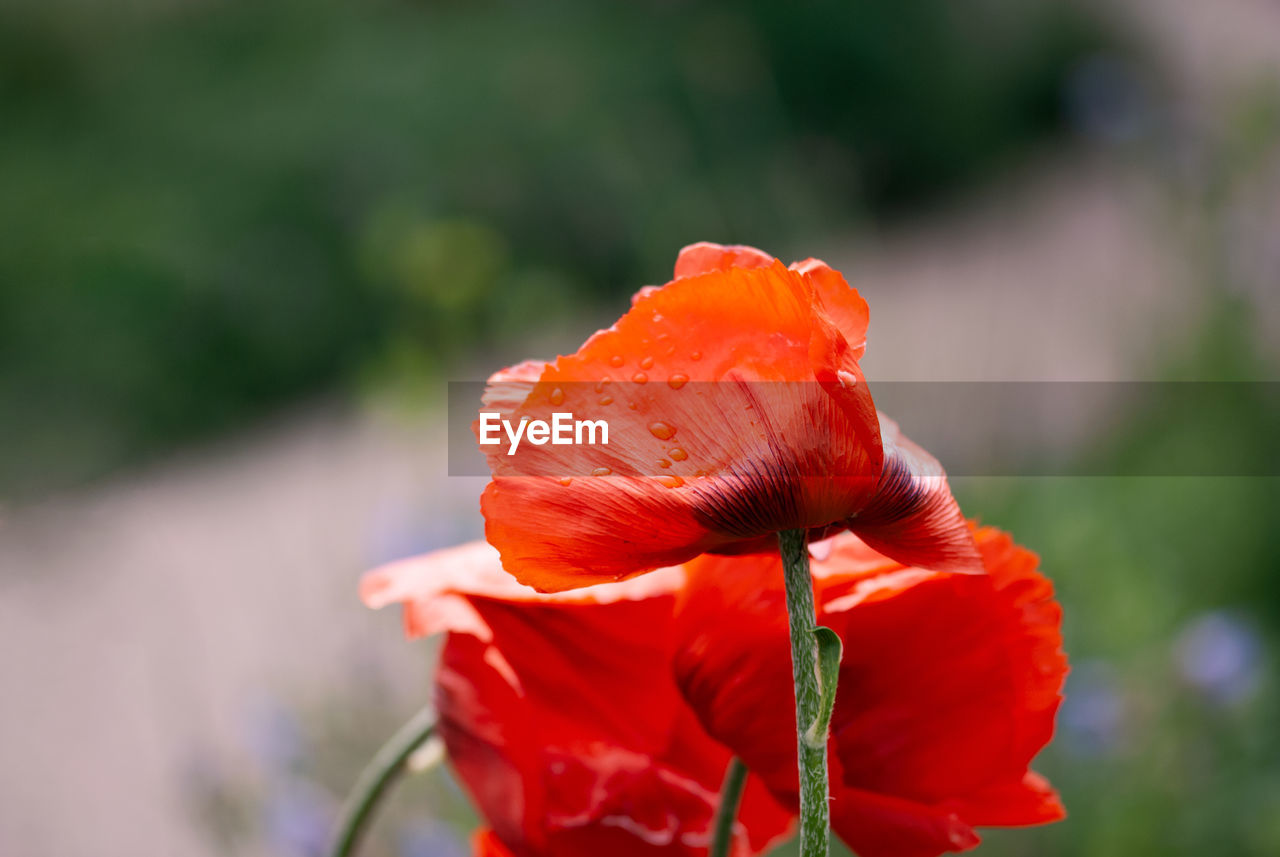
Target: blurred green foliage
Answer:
pixel 1166 742
pixel 210 208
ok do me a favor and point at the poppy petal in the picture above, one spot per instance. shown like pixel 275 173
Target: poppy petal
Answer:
pixel 537 696
pixel 436 589
pixel 842 302
pixel 877 825
pixel 757 409
pixel 705 256
pixel 507 388
pixel 1032 801
pixel 550 746
pixel 948 687
pixel 913 516
pixel 942 741
pixel 732 661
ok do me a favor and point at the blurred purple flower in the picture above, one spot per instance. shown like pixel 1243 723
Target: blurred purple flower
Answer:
pixel 274 735
pixel 1093 712
pixel 298 818
pixel 1220 654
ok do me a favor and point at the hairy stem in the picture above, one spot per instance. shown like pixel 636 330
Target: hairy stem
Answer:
pixel 815 813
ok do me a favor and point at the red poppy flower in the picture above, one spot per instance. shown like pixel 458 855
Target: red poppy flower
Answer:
pixel 736 410
pixel 561 716
pixel 947 689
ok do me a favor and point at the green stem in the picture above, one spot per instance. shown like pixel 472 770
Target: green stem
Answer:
pixel 735 779
pixel 386 766
pixel 815 813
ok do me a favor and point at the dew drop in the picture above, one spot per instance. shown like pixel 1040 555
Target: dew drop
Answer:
pixel 697 355
pixel 565 480
pixel 640 378
pixel 601 471
pixel 602 383
pixel 606 400
pixel 663 463
pixel 646 363
pixel 616 360
pixel 677 380
pixel 631 405
pixel 557 396
pixel 671 481
pixel 662 431
pixel 678 454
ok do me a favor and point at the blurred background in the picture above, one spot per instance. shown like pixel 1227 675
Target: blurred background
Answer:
pixel 243 246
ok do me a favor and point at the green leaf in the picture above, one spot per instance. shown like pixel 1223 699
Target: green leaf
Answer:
pixel 830 650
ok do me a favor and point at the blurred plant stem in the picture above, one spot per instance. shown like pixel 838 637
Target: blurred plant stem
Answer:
pixel 386 767
pixel 814 810
pixel 735 779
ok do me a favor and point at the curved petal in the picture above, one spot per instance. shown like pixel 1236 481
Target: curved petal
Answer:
pixel 550 746
pixel 705 257
pixel 431 588
pixel 560 715
pixel 436 589
pixel 737 385
pixel 732 661
pixel 948 687
pixel 878 825
pixel 842 302
pixel 975 687
pixel 913 517
pixel 507 388
pixel 1031 801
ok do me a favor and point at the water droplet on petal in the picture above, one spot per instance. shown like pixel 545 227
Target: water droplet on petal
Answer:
pixel 631 405
pixel 662 462
pixel 847 379
pixel 557 396
pixel 602 383
pixel 640 378
pixel 671 481
pixel 601 471
pixel 697 355
pixel 678 454
pixel 565 480
pixel 677 380
pixel 616 360
pixel 606 400
pixel 661 431
pixel 646 363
